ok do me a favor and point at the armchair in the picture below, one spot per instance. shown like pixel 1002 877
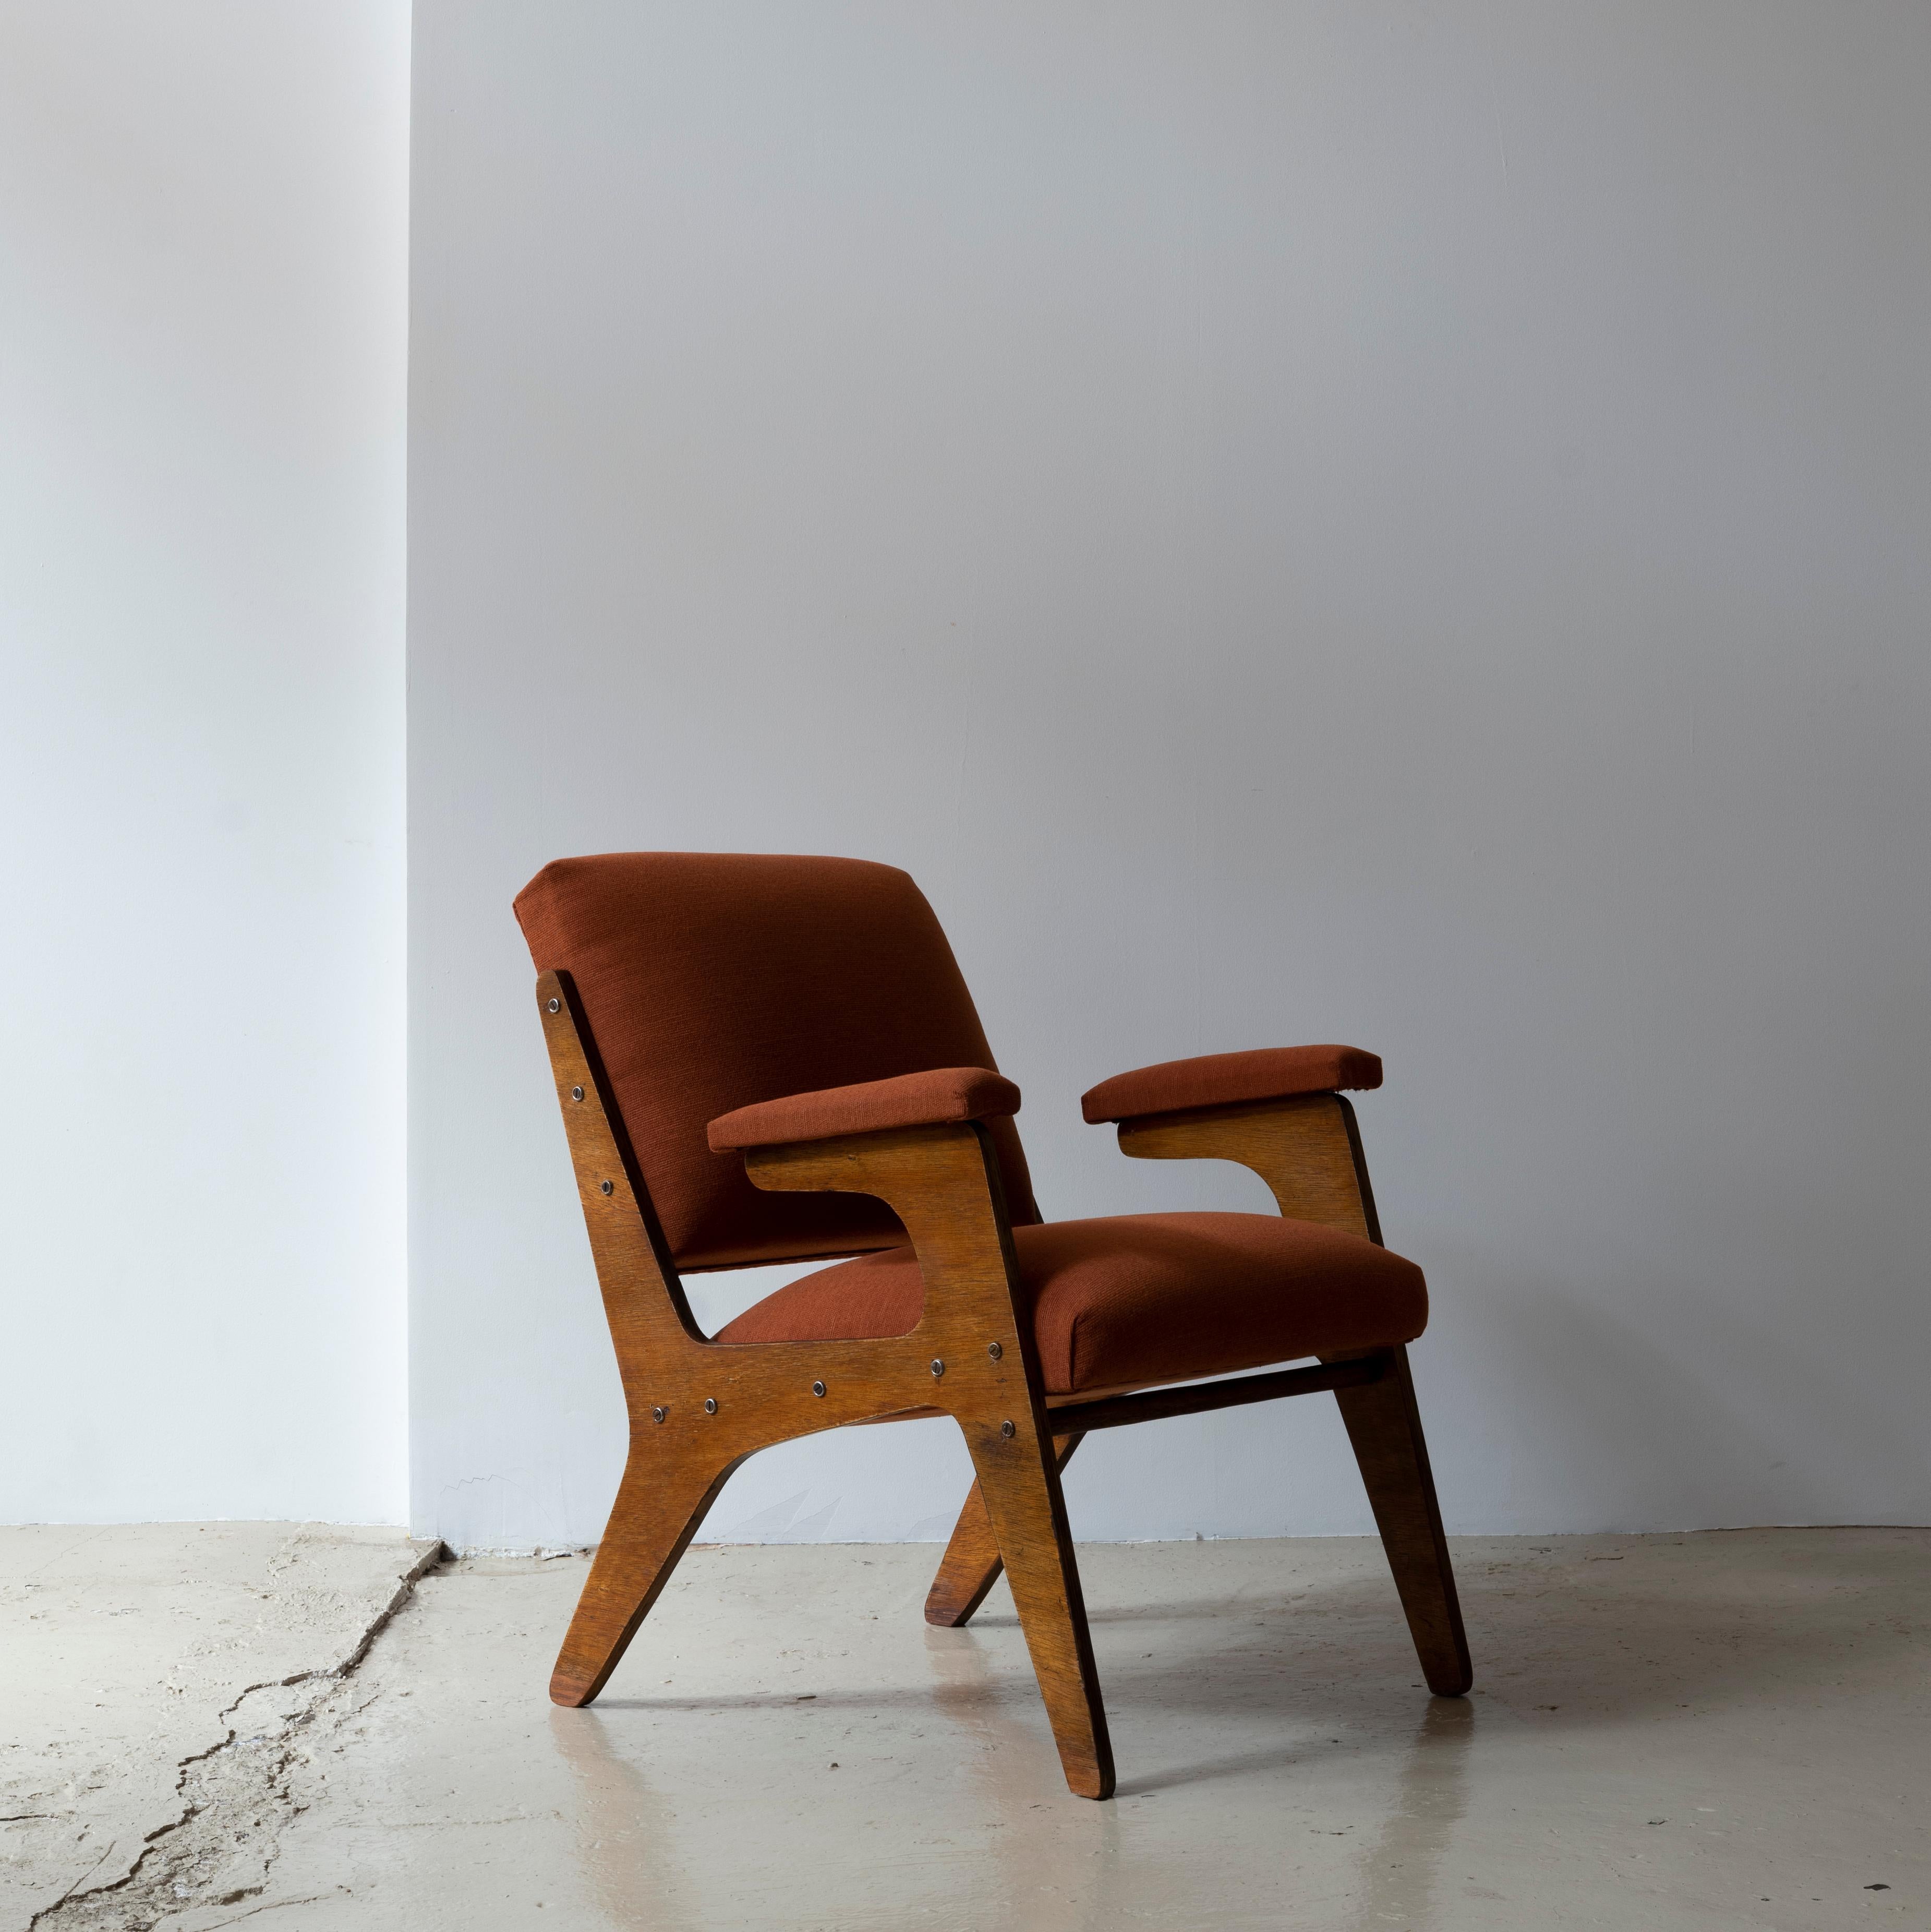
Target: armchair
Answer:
pixel 761 1059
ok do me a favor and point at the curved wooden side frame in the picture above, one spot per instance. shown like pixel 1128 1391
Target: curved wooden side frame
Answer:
pixel 1307 1149
pixel 698 1408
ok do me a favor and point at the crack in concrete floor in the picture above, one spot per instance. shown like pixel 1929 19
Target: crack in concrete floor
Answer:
pixel 1712 1733
pixel 128 1646
pixel 1664 1730
pixel 237 1797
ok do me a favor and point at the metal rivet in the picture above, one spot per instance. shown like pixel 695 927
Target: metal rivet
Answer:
pixel 938 1366
pixel 1006 1428
pixel 576 1092
pixel 658 1414
pixel 607 1187
pixel 556 1006
pixel 993 1349
pixel 710 1404
pixel 818 1388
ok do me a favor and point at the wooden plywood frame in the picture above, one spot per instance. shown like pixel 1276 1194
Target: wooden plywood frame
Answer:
pixel 697 1407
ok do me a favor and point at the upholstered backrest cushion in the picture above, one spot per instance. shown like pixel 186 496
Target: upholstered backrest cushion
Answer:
pixel 711 980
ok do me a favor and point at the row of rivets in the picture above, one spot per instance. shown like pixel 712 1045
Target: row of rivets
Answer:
pixel 818 1388
pixel 992 1348
pixel 663 1414
pixel 660 1413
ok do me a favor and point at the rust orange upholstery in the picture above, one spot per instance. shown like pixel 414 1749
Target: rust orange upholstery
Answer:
pixel 1218 1079
pixel 713 981
pixel 912 1100
pixel 1141 1298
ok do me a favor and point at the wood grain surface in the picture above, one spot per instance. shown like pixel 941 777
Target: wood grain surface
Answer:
pixel 698 1408
pixel 1309 1151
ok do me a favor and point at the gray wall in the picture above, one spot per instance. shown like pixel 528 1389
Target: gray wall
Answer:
pixel 1294 523
pixel 203 249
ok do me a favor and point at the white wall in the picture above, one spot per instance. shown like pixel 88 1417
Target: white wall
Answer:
pixel 203 219
pixel 1347 522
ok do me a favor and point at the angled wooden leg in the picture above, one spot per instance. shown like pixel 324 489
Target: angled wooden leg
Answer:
pixel 659 1505
pixel 971 1563
pixel 1019 1479
pixel 1385 1427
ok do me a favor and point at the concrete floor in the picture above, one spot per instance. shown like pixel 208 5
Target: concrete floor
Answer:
pixel 1721 1730
pixel 123 1654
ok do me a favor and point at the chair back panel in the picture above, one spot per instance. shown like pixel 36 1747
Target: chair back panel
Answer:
pixel 711 980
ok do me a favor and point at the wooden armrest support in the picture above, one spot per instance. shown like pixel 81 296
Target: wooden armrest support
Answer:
pixel 939 1095
pixel 942 1180
pixel 1220 1079
pixel 1305 1147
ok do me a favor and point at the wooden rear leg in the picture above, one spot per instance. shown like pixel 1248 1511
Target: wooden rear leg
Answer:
pixel 972 1563
pixel 659 1504
pixel 1385 1427
pixel 1019 1480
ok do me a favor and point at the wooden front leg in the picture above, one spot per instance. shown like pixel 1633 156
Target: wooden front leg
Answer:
pixel 972 1563
pixel 943 1183
pixel 1384 1425
pixel 1019 1479
pixel 660 1502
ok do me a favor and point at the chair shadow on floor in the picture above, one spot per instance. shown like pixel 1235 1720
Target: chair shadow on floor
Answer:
pixel 640 1861
pixel 1564 1642
pixel 1317 1679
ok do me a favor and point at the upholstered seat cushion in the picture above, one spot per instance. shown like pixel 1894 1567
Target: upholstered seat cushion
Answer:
pixel 1136 1299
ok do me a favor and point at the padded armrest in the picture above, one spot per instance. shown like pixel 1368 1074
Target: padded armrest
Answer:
pixel 929 1099
pixel 1220 1079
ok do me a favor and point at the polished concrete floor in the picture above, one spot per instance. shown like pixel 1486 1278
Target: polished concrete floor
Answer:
pixel 1717 1730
